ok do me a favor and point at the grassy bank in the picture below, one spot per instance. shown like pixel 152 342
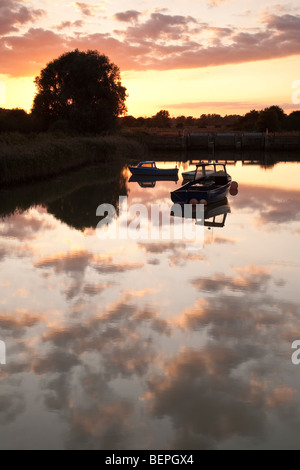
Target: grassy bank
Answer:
pixel 32 158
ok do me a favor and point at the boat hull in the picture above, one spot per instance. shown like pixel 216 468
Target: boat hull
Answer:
pixel 149 181
pixel 212 193
pixel 153 171
pixel 152 178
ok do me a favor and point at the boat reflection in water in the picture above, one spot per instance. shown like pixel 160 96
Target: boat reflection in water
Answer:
pixel 215 213
pixel 150 181
pixel 149 168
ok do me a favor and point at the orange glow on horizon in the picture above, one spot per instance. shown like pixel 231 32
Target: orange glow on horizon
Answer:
pixel 229 89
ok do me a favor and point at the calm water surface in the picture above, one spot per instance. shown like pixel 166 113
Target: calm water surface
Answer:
pixel 144 344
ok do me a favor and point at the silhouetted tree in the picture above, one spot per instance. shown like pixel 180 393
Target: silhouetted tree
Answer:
pixel 213 120
pixel 270 118
pixel 141 121
pixel 15 120
pixel 190 121
pixel 161 119
pixel 249 121
pixel 179 122
pixel 128 121
pixel 292 122
pixel 83 88
pixel 230 121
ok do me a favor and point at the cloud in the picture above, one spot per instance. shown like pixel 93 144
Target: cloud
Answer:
pixel 117 267
pixel 274 207
pixel 161 326
pixel 161 246
pixel 160 42
pixel 28 53
pixel 77 289
pixel 91 289
pixel 11 404
pixel 216 3
pixel 89 9
pixel 250 317
pixel 130 357
pixel 19 321
pixel 284 23
pixel 3 252
pixel 280 396
pixel 14 14
pixel 233 379
pixel 74 261
pixel 24 226
pixel 56 361
pixel 214 406
pixel 127 16
pixel 215 379
pixel 69 24
pixel 95 423
pixel 224 240
pixel 251 279
pixel 159 25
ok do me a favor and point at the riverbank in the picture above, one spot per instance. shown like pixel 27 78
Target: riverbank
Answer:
pixel 37 157
pixel 193 139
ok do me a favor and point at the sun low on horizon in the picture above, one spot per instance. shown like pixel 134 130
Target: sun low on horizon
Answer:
pixel 191 58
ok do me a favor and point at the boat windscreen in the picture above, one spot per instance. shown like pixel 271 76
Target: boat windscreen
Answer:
pixel 199 172
pixel 220 168
pixel 209 169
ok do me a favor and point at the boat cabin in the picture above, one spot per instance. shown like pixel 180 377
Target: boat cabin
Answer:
pixel 146 165
pixel 217 171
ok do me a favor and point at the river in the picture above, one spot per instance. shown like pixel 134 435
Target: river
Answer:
pixel 147 344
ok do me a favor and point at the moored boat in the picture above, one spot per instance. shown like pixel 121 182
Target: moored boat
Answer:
pixel 211 183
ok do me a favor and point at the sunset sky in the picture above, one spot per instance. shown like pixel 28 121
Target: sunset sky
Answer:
pixel 189 57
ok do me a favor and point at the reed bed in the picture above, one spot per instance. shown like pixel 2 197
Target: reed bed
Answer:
pixel 31 158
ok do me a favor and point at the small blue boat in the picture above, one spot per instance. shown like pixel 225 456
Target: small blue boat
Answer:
pixel 148 168
pixel 211 183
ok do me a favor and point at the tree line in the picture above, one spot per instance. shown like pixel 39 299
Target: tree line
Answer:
pixel 272 119
pixel 81 92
